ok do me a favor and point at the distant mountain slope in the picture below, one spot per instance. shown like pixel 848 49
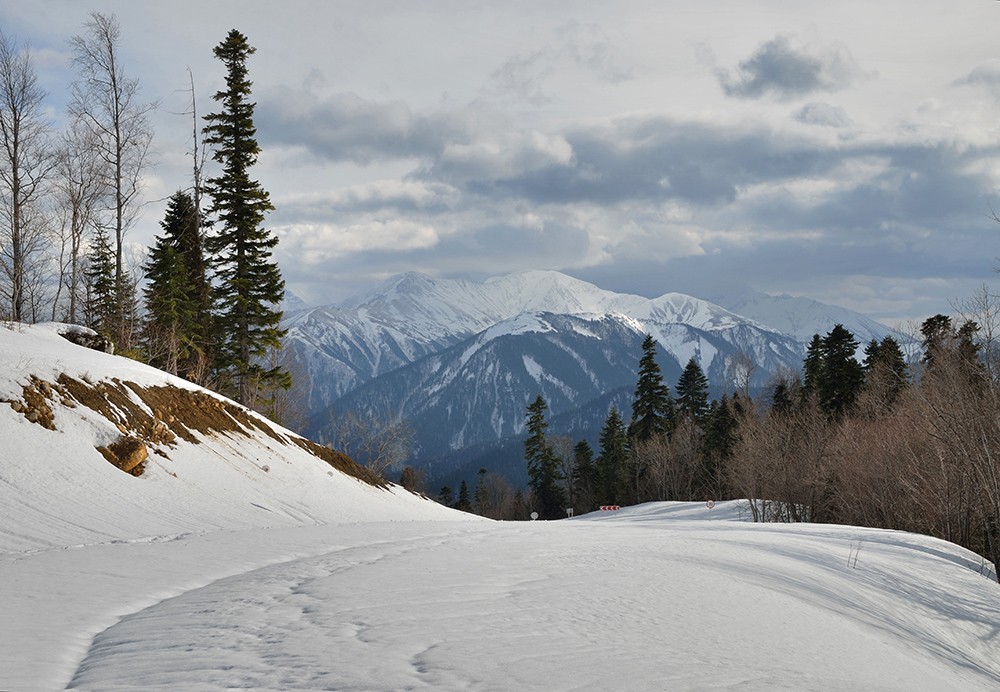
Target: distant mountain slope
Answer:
pixel 182 459
pixel 801 318
pixel 475 393
pixel 461 359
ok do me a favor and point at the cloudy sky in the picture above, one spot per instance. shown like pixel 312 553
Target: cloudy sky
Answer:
pixel 846 151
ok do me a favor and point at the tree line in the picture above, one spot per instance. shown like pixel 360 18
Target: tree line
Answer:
pixel 885 441
pixel 203 301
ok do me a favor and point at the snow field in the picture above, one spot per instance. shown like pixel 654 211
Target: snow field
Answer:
pixel 606 602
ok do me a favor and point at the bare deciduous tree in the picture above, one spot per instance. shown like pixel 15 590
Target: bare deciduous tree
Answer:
pixel 107 103
pixel 381 444
pixel 25 160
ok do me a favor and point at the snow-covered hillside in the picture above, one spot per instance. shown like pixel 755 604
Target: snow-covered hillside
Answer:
pixel 211 464
pixel 238 559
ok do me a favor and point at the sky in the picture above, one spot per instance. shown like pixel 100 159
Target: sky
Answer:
pixel 846 152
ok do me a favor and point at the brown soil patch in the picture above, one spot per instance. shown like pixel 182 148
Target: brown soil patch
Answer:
pixel 176 412
pixel 341 462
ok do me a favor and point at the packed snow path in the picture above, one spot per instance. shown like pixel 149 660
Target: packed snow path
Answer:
pixel 646 599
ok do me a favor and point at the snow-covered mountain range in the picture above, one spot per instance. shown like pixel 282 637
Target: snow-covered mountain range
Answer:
pixel 461 360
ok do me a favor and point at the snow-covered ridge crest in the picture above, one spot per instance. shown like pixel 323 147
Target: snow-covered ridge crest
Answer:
pixel 470 307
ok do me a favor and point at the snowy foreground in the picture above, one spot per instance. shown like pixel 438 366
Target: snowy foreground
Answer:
pixel 647 599
pixel 239 560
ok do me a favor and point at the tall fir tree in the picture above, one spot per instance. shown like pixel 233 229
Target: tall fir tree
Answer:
pixel 249 284
pixel 692 392
pixel 652 409
pixel 543 466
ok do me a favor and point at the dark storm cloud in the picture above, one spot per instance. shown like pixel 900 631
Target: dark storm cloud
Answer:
pixel 652 158
pixel 388 197
pixel 920 187
pixel 779 69
pixel 346 127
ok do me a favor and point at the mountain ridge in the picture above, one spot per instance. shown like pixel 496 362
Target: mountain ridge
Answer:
pixel 391 351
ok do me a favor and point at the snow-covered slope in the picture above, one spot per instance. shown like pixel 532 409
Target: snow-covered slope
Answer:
pixel 801 318
pixel 211 464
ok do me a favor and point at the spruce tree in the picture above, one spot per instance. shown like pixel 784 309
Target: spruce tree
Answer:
pixel 612 462
pixel 842 376
pixel 250 286
pixel 718 442
pixel 479 497
pixel 446 496
pixel 102 297
pixel 543 466
pixel 652 409
pixel 463 498
pixel 885 370
pixel 938 334
pixel 813 368
pixel 178 318
pixel 692 392
pixel 584 476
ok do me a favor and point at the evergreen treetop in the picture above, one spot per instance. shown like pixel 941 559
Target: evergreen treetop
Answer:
pixel 692 392
pixel 652 409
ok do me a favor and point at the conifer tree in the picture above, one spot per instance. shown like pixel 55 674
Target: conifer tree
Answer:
pixel 938 333
pixel 479 499
pixel 692 392
pixel 584 476
pixel 885 369
pixel 842 376
pixel 652 409
pixel 718 442
pixel 250 286
pixel 178 317
pixel 463 498
pixel 813 368
pixel 102 296
pixel 543 466
pixel 446 496
pixel 612 462
pixel 782 398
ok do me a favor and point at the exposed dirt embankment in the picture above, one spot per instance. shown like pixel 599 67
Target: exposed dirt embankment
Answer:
pixel 154 417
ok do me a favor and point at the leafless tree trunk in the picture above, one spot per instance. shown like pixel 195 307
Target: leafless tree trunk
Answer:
pixel 25 160
pixel 107 103
pixel 78 193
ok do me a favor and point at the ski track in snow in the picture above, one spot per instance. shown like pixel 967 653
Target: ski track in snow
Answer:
pixel 631 601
